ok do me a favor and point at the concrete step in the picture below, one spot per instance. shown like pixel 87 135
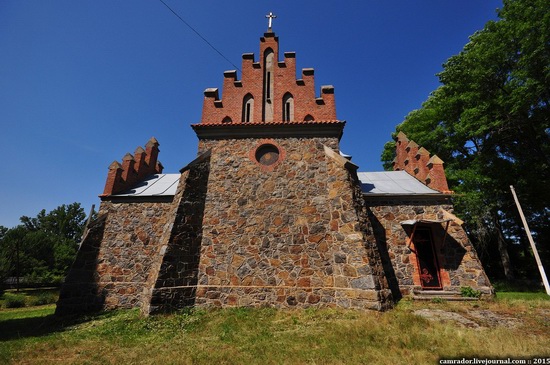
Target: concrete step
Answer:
pixel 440 294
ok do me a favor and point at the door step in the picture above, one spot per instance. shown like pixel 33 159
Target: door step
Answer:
pixel 440 295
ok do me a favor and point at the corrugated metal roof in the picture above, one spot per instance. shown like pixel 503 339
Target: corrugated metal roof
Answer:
pixel 392 183
pixel 154 185
pixel 372 183
pixel 412 222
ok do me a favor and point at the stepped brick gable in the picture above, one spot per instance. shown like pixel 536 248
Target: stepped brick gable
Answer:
pixel 134 168
pixel 418 163
pixel 271 88
pixel 270 212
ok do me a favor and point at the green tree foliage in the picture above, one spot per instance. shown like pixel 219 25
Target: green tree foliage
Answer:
pixel 42 248
pixel 490 122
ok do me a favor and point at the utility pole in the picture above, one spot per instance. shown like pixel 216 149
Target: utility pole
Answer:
pixel 535 252
pixel 17 242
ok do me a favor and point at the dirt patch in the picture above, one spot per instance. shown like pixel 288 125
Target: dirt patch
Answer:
pixel 471 319
pixel 440 315
pixel 488 318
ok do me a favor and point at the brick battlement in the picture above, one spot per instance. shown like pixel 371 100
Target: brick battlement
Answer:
pixel 268 91
pixel 418 162
pixel 134 168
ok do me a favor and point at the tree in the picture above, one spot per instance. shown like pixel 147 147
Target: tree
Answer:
pixel 65 221
pixel 42 248
pixel 10 252
pixel 490 122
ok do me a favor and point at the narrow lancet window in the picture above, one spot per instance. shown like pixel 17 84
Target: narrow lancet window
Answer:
pixel 248 109
pixel 288 107
pixel 267 105
pixel 268 88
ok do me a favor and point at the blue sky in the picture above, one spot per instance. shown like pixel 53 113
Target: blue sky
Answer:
pixel 83 82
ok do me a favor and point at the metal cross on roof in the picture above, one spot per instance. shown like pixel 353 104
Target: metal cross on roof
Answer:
pixel 270 16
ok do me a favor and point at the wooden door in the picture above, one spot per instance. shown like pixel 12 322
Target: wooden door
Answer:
pixel 428 266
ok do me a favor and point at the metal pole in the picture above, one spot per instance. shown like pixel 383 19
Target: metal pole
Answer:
pixel 17 264
pixel 535 252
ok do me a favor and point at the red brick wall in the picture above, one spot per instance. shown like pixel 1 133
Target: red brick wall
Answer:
pixel 217 107
pixel 416 161
pixel 134 168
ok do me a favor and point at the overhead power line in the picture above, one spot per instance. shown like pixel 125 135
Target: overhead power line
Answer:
pixel 197 33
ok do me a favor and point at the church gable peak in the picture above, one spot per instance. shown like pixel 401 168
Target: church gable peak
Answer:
pixel 268 91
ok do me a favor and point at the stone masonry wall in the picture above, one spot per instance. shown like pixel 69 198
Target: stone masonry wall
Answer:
pixel 113 264
pixel 458 260
pixel 131 239
pixel 172 282
pixel 288 236
pixel 79 293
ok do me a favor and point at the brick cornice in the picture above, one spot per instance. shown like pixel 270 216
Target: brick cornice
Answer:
pixel 270 130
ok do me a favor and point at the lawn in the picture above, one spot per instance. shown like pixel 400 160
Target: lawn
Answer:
pixel 32 335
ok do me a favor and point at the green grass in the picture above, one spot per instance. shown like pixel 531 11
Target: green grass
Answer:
pixel 28 297
pixel 522 296
pixel 29 312
pixel 270 336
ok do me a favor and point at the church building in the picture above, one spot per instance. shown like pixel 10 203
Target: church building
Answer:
pixel 271 212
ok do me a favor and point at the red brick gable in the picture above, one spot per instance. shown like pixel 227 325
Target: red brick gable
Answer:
pixel 134 168
pixel 418 162
pixel 269 85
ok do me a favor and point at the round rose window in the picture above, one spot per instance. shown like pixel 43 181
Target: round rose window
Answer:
pixel 267 154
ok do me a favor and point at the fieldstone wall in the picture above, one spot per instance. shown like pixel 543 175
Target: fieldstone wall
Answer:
pixel 287 236
pixel 115 258
pixel 172 282
pixel 79 293
pixel 131 239
pixel 458 260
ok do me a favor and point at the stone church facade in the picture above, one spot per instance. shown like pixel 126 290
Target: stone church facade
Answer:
pixel 270 213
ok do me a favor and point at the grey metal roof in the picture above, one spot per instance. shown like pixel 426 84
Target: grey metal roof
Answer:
pixel 154 185
pixel 392 183
pixel 345 156
pixel 372 183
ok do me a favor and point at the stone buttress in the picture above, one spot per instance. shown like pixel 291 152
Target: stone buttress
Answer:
pixel 118 249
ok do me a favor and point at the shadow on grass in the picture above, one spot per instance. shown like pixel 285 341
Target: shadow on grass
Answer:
pixel 29 327
pixel 38 324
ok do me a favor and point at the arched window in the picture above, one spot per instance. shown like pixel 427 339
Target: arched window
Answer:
pixel 227 120
pixel 288 107
pixel 248 109
pixel 308 118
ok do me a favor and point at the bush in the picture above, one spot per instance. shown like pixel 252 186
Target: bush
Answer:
pixel 43 299
pixel 469 292
pixel 14 300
